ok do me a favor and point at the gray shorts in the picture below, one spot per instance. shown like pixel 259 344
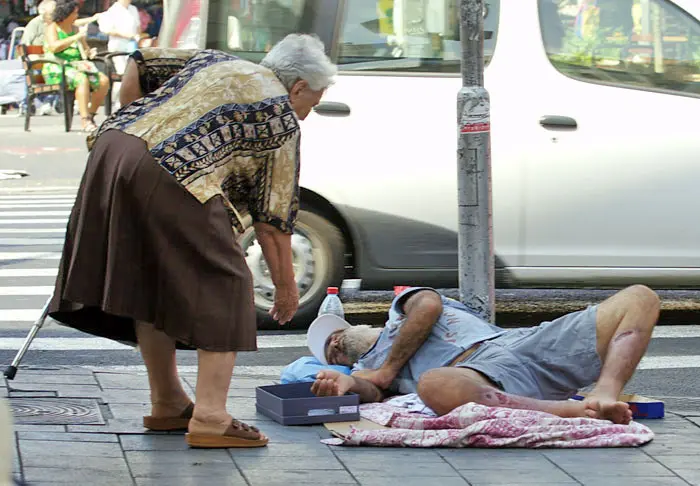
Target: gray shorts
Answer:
pixel 549 362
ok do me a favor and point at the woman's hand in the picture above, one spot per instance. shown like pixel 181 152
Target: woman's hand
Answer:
pixel 286 303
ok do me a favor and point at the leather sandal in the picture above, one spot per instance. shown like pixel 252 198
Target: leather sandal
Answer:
pixel 238 434
pixel 161 424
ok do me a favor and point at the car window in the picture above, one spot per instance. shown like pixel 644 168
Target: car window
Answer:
pixel 249 29
pixel 646 44
pixel 408 35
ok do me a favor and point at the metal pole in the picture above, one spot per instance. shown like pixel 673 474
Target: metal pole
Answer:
pixel 476 261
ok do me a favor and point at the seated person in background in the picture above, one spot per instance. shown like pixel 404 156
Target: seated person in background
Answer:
pixel 437 348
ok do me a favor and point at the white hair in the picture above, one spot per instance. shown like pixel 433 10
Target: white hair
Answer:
pixel 301 57
pixel 46 6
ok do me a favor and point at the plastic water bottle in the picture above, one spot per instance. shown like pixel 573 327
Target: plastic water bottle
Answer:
pixel 332 304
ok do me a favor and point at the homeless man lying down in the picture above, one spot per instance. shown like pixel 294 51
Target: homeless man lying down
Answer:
pixel 436 347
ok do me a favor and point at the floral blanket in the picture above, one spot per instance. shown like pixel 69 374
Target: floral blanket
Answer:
pixel 474 425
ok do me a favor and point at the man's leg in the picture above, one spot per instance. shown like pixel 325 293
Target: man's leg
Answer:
pixel 624 326
pixel 444 389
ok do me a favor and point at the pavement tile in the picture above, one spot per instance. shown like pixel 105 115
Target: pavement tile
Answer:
pixel 690 475
pixel 283 477
pixel 58 448
pixel 193 456
pixel 39 428
pixel 129 411
pixel 34 475
pixel 44 378
pixel 633 481
pixel 115 426
pixel 672 444
pixel 248 393
pixel 244 409
pixel 510 477
pixel 288 463
pixel 670 424
pixel 414 454
pixel 695 420
pixel 596 456
pixel 111 464
pixel 61 390
pixel 153 443
pixel 679 461
pixel 616 468
pixel 293 434
pixel 277 449
pixel 129 381
pixel 468 460
pixel 32 394
pixel 385 481
pixel 400 468
pixel 125 396
pixel 67 437
pixel 189 469
pixel 55 370
pixel 196 481
pixel 3 392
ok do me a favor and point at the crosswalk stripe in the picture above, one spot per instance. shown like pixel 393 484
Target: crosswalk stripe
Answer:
pixel 238 372
pixel 29 255
pixel 28 272
pixel 27 214
pixel 37 199
pixel 31 241
pixel 34 221
pixel 27 290
pixel 32 230
pixel 33 205
pixel 100 344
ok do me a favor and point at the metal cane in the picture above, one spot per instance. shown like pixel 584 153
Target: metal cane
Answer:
pixel 11 370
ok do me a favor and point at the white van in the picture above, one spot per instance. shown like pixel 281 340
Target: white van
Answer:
pixel 595 109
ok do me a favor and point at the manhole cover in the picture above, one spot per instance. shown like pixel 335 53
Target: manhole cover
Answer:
pixel 56 411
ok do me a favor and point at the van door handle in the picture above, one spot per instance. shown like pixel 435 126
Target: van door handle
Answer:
pixel 332 108
pixel 556 121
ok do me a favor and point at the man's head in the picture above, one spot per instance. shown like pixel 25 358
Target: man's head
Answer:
pixel 46 9
pixel 335 342
pixel 301 64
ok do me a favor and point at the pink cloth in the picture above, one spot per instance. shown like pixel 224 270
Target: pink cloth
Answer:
pixel 474 425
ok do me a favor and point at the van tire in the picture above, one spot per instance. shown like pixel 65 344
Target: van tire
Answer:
pixel 329 250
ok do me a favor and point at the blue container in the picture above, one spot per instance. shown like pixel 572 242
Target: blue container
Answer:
pixel 295 404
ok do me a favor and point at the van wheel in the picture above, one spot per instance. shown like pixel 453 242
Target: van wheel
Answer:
pixel 318 252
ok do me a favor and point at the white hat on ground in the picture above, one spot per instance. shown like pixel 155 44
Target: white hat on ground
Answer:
pixel 319 331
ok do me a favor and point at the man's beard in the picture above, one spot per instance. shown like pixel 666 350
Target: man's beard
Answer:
pixel 356 341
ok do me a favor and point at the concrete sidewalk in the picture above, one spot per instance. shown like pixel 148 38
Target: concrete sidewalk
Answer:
pixel 120 452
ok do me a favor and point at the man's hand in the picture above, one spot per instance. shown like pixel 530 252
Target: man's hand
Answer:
pixel 286 303
pixel 380 377
pixel 331 383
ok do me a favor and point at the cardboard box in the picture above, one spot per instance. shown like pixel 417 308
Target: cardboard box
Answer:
pixel 295 404
pixel 642 407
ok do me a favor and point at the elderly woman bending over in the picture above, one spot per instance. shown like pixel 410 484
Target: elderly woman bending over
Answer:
pixel 207 147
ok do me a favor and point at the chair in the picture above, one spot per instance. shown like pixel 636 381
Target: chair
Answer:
pixel 112 75
pixel 36 85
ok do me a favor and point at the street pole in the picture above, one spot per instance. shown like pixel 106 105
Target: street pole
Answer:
pixel 476 261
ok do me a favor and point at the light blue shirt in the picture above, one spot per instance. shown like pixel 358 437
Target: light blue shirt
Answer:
pixel 456 330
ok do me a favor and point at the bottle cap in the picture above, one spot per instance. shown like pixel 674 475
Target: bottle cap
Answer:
pixel 332 290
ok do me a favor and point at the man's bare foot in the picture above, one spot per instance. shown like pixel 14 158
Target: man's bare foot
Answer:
pixel 331 383
pixel 608 409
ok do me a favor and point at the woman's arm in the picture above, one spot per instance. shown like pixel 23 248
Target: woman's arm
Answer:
pixel 130 90
pixel 54 44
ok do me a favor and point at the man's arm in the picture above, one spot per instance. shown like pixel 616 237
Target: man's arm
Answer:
pixel 422 310
pixel 331 383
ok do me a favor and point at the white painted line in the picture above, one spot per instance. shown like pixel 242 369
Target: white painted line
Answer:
pixel 27 290
pixel 34 221
pixel 29 255
pixel 676 332
pixel 35 205
pixel 669 362
pixel 86 344
pixel 282 341
pixel 32 230
pixel 29 190
pixel 27 214
pixel 28 272
pixel 238 371
pixel 31 241
pixel 19 315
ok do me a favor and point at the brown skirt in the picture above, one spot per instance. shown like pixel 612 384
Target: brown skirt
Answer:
pixel 140 247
